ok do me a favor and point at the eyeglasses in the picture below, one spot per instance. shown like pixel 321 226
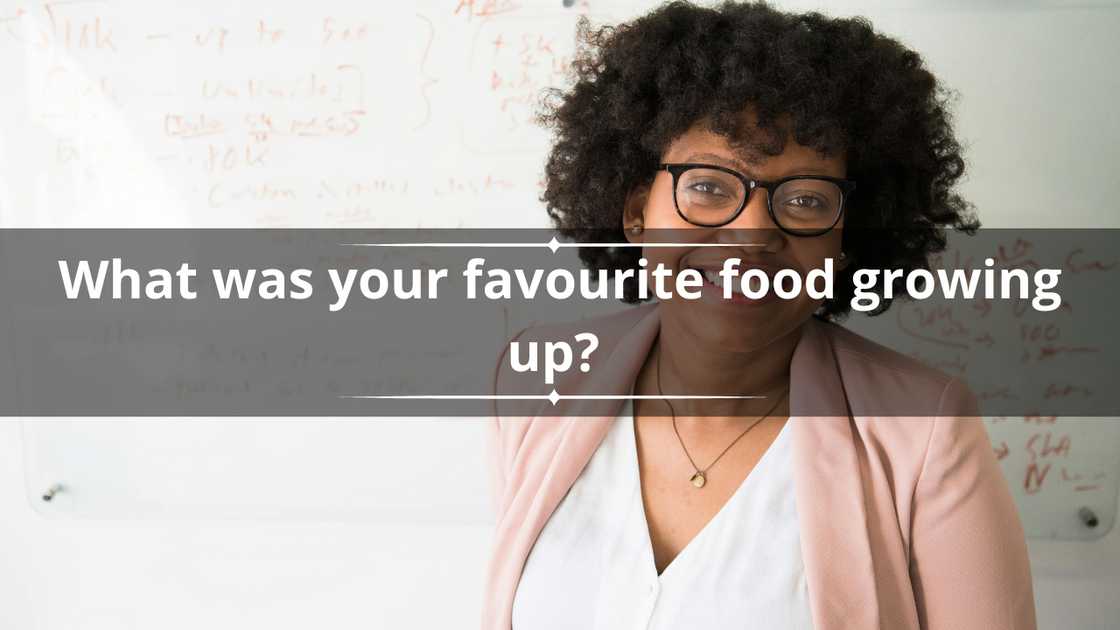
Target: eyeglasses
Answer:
pixel 713 196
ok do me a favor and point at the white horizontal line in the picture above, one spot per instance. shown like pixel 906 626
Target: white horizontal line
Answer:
pixel 545 397
pixel 548 246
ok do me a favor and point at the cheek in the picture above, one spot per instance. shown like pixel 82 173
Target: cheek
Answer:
pixel 663 224
pixel 660 211
pixel 828 244
pixel 810 253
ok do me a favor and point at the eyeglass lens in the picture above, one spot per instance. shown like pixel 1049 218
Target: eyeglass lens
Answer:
pixel 713 197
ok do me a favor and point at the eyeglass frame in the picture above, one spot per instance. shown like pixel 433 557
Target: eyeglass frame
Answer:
pixel 676 169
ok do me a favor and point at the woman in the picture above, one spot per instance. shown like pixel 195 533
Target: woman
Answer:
pixel 783 140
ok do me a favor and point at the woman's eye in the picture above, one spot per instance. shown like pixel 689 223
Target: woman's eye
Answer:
pixel 805 202
pixel 707 188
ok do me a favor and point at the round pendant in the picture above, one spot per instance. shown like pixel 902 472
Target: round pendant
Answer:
pixel 699 479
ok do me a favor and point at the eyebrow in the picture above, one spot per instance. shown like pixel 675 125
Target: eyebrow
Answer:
pixel 720 160
pixel 739 165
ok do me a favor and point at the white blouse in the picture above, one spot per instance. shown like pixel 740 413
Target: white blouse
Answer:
pixel 593 568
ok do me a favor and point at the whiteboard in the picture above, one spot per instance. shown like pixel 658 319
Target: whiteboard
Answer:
pixel 324 114
pixel 337 113
pixel 384 470
pixel 1063 473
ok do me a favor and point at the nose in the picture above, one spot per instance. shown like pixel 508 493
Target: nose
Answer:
pixel 754 225
pixel 755 215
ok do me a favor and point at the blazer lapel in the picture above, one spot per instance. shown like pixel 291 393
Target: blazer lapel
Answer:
pixel 577 436
pixel 831 507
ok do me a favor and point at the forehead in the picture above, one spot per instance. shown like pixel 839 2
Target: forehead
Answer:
pixel 701 144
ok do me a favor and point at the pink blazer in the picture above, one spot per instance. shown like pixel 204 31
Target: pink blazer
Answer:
pixel 906 523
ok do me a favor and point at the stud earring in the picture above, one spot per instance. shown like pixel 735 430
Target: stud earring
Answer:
pixel 636 229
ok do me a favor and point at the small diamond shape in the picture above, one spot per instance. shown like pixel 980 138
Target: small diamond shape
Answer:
pixel 554 244
pixel 553 397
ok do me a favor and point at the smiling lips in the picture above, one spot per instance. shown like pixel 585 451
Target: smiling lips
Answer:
pixel 714 283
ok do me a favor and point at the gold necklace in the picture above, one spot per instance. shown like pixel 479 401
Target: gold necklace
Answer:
pixel 700 477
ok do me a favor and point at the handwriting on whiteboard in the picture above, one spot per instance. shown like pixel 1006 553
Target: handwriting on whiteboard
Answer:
pixel 276 117
pixel 1042 456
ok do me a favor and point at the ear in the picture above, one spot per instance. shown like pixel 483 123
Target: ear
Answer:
pixel 633 213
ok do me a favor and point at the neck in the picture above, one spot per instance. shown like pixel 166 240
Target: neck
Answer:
pixel 686 369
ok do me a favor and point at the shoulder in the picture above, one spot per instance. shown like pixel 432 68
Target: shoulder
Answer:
pixel 912 417
pixel 880 381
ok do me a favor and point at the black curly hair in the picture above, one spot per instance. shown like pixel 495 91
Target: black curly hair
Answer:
pixel 835 84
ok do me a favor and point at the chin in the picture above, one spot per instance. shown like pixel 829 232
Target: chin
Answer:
pixel 738 328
